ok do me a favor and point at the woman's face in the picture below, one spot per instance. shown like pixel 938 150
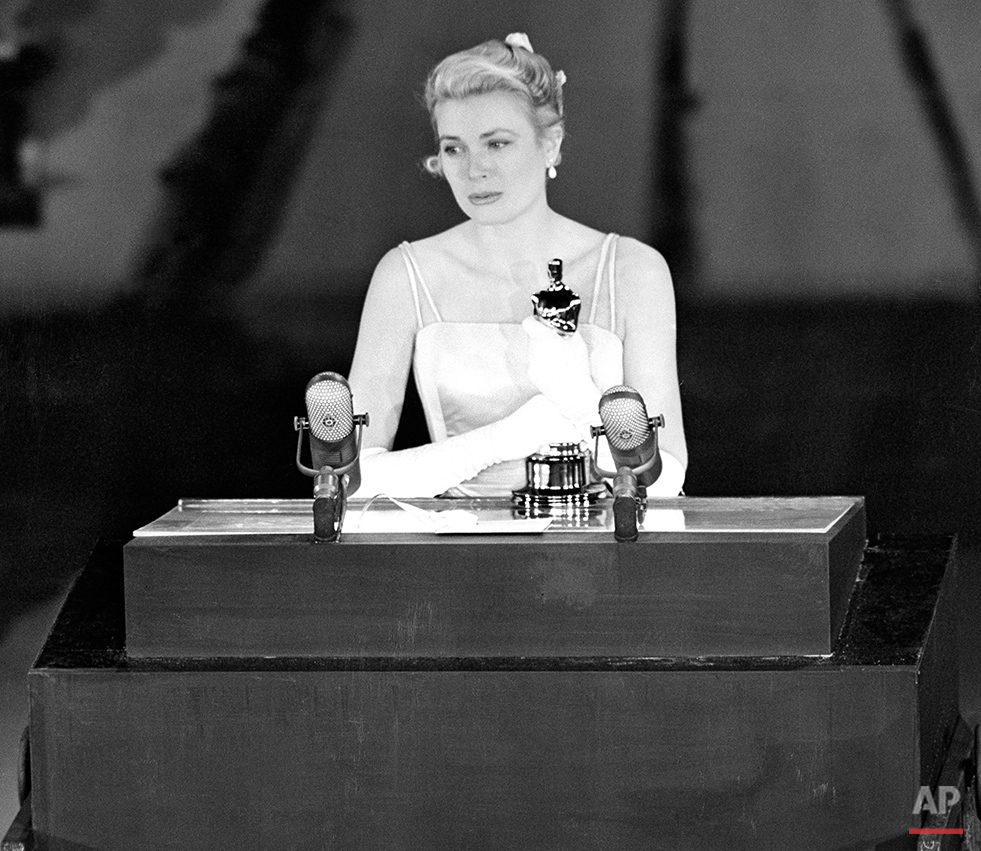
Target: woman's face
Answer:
pixel 492 156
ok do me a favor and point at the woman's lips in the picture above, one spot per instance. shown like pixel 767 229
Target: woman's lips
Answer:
pixel 483 197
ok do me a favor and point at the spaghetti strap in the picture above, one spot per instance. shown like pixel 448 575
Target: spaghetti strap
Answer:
pixel 411 272
pixel 613 265
pixel 416 281
pixel 605 255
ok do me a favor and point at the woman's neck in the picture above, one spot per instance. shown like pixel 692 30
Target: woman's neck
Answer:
pixel 532 239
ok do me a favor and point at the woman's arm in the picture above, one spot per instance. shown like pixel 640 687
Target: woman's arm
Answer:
pixel 379 372
pixel 383 353
pixel 647 325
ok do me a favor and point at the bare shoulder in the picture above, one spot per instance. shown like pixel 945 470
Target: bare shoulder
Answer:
pixel 389 291
pixel 390 278
pixel 391 267
pixel 640 265
pixel 644 289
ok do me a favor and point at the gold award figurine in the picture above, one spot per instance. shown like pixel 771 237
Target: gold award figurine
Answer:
pixel 557 306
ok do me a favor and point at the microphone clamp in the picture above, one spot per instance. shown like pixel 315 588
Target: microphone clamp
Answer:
pixel 598 431
pixel 301 424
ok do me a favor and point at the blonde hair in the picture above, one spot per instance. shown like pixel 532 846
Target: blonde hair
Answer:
pixel 498 66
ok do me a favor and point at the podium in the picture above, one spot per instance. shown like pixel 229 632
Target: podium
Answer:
pixel 710 577
pixel 748 674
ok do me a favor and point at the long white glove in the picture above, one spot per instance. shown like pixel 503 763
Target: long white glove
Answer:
pixel 429 470
pixel 558 365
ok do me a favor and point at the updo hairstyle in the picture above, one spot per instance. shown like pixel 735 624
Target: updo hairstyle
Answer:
pixel 498 66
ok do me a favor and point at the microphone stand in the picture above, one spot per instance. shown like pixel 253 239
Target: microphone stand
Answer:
pixel 629 496
pixel 629 505
pixel 329 486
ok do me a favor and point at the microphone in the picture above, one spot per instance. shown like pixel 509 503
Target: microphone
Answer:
pixel 632 437
pixel 630 433
pixel 330 414
pixel 335 450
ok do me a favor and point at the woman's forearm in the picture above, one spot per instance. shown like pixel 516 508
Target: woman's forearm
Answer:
pixel 428 470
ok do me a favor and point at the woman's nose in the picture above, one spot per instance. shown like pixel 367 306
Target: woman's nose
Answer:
pixel 478 166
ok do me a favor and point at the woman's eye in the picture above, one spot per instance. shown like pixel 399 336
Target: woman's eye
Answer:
pixel 498 143
pixel 451 150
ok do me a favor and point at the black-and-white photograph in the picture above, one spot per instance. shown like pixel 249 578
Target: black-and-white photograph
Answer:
pixel 442 424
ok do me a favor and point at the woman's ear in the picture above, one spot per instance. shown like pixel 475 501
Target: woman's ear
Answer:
pixel 553 145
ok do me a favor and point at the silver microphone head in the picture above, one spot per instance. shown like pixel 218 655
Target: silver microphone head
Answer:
pixel 624 416
pixel 330 407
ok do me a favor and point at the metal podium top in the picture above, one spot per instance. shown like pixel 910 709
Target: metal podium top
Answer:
pixel 477 516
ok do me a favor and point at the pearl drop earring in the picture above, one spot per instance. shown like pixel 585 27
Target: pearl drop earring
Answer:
pixel 552 173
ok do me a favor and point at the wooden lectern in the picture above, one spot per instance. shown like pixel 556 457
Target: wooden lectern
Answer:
pixel 747 674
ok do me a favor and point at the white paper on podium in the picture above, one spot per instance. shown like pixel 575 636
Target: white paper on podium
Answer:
pixel 664 520
pixel 532 526
pixel 450 522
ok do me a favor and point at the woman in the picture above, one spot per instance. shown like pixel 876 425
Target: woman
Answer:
pixel 496 384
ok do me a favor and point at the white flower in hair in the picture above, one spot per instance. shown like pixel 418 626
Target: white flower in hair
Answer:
pixel 519 40
pixel 560 78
